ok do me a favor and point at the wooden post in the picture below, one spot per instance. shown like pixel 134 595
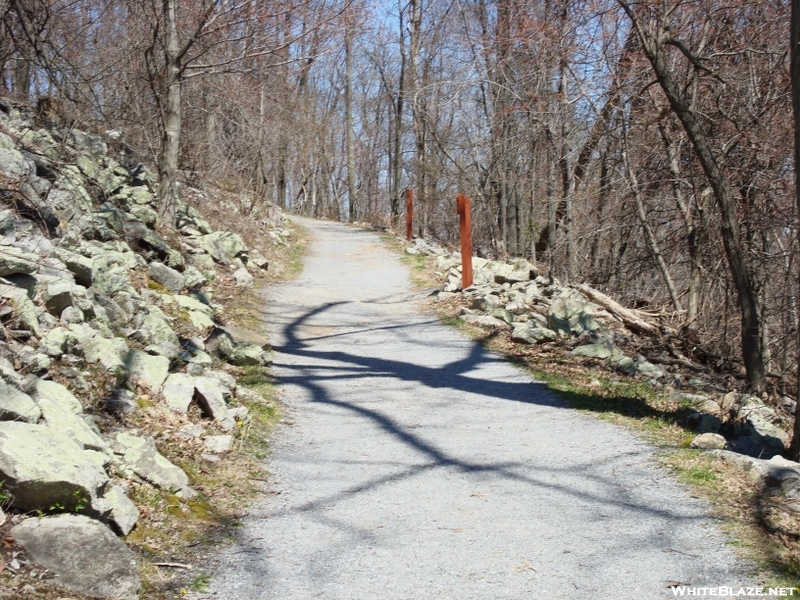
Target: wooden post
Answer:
pixel 409 212
pixel 462 206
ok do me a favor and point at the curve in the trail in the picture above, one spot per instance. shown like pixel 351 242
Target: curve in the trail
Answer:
pixel 418 465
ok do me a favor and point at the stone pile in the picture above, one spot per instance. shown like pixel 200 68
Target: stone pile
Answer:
pixel 89 290
pixel 515 296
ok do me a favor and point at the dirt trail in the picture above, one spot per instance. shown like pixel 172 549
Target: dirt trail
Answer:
pixel 419 465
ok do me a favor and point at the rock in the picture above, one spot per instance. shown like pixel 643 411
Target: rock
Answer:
pixel 13 261
pixel 110 353
pixel 223 246
pixel 598 350
pixel 239 413
pixel 121 402
pixel 210 397
pixel 502 314
pixel 59 396
pixel 570 317
pixel 43 467
pixel 776 472
pixel 525 334
pixel 242 277
pixel 141 455
pixel 84 554
pixel 191 431
pixel 193 278
pixel 146 371
pixel 219 343
pixel 226 380
pixel 23 310
pixel 122 513
pixel 178 391
pixel 240 334
pixel 484 321
pixel 169 278
pixel 623 363
pixel 155 329
pixel 79 266
pixel 246 354
pixel 648 369
pixel 218 444
pixel 708 441
pixel 71 424
pixel 89 142
pixel 16 405
pixel 258 259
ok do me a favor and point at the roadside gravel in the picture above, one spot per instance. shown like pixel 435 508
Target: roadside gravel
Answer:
pixel 414 464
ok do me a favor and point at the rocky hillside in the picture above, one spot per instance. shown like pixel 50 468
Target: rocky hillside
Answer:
pixel 98 315
pixel 576 322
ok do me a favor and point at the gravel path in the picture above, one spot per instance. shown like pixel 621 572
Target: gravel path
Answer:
pixel 417 465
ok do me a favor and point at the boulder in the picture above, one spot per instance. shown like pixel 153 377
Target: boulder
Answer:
pixel 166 276
pixel 210 396
pixel 79 266
pixel 155 329
pixel 218 444
pixel 570 317
pixel 193 278
pixel 597 350
pixel 525 334
pixel 84 554
pixel 143 458
pixel 59 396
pixel 16 405
pixel 258 259
pixel 178 391
pixel 242 277
pixel 484 321
pixel 146 371
pixel 43 467
pixel 14 261
pixel 109 352
pixel 121 512
pixel 219 343
pixel 58 341
pixel 24 314
pixel 223 246
pixel 247 354
pixel 708 441
pixel 775 472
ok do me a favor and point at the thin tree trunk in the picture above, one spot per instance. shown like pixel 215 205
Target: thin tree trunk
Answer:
pixel 349 133
pixel 649 234
pixel 794 53
pixel 170 147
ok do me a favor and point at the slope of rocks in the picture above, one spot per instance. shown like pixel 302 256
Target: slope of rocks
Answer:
pixel 515 297
pixel 99 313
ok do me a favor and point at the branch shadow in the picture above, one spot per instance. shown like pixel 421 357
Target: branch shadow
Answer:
pixel 300 361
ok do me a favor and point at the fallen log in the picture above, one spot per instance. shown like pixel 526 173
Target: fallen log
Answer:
pixel 627 316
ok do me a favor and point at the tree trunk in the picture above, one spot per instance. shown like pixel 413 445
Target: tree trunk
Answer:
pixel 349 133
pixel 649 234
pixel 171 141
pixel 794 54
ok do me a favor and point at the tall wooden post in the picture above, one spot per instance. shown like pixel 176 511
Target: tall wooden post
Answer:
pixel 409 212
pixel 462 206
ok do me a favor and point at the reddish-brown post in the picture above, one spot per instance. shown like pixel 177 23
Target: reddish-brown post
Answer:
pixel 462 205
pixel 409 213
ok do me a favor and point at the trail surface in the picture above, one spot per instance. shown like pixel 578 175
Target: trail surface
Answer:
pixel 417 465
